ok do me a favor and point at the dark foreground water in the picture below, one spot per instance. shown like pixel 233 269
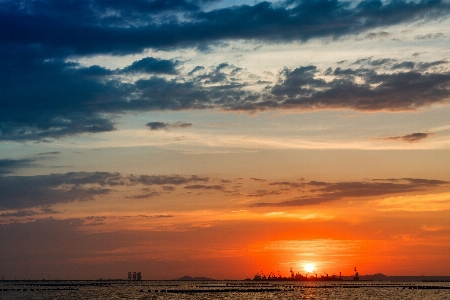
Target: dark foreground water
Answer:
pixel 222 290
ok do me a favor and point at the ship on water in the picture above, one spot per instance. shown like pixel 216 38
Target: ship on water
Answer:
pixel 300 277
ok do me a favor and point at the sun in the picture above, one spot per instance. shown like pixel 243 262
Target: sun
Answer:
pixel 309 268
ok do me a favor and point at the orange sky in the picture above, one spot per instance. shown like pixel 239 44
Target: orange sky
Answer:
pixel 391 233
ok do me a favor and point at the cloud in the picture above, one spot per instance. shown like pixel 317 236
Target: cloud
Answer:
pixel 377 35
pixel 389 63
pixel 145 196
pixel 430 36
pixel 410 138
pixel 262 193
pixel 152 65
pixel 156 216
pixel 56 94
pixel 224 74
pixel 95 70
pixel 370 61
pixel 288 184
pixel 45 95
pixel 416 203
pixel 157 125
pixel 131 28
pixel 48 153
pixel 52 98
pixel 380 62
pixel 10 165
pixel 204 187
pixel 166 179
pixel 44 190
pixel 301 88
pixel 323 192
pixel 29 213
pixel 404 65
pixel 168 188
pixel 20 213
pixel 427 65
pixel 19 192
pixel 166 126
pixel 257 179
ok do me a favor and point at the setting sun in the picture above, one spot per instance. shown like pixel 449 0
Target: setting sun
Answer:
pixel 309 268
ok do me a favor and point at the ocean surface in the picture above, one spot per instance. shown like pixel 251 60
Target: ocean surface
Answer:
pixel 222 290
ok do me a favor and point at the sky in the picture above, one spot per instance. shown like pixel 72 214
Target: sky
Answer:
pixel 224 138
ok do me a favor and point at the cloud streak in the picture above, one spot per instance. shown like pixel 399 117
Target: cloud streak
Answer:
pixel 323 192
pixel 20 192
pixel 410 138
pixel 204 187
pixel 10 165
pixel 166 126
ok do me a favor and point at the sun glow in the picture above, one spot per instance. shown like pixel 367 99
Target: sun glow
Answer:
pixel 309 268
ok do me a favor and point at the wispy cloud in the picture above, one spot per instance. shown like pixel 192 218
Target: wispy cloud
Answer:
pixel 440 128
pixel 410 138
pixel 221 142
pixel 44 190
pixel 48 153
pixel 323 192
pixel 416 203
pixel 162 125
pixel 204 187
pixel 10 165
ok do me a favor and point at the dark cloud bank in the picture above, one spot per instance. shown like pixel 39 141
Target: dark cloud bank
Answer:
pixel 44 95
pixel 83 27
pixel 55 99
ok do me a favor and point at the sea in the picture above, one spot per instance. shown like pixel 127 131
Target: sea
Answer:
pixel 106 289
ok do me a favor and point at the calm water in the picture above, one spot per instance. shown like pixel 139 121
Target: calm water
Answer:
pixel 222 290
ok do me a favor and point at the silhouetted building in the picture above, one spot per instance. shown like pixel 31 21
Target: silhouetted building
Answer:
pixel 134 276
